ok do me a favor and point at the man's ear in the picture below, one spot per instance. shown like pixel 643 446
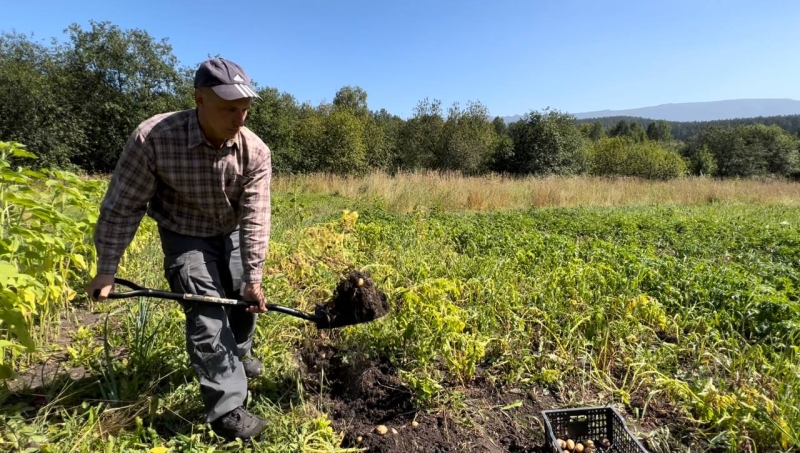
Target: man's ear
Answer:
pixel 198 97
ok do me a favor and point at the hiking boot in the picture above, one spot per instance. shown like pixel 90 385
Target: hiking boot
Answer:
pixel 239 423
pixel 252 367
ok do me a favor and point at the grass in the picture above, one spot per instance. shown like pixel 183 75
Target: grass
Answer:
pixel 674 299
pixel 405 192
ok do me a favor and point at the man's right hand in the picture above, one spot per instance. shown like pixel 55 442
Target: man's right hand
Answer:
pixel 253 292
pixel 102 282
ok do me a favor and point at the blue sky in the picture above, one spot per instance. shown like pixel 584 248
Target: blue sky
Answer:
pixel 512 56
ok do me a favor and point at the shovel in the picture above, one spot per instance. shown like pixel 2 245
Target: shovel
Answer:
pixel 321 317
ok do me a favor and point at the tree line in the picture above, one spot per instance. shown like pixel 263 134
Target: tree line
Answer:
pixel 685 130
pixel 75 104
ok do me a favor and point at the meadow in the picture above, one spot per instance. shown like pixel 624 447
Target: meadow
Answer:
pixel 675 302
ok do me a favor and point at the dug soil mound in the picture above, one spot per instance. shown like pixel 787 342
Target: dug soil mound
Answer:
pixel 362 397
pixel 355 300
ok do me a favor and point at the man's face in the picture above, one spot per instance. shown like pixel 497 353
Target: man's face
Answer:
pixel 224 119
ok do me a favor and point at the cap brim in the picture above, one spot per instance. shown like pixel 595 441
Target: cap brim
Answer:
pixel 235 91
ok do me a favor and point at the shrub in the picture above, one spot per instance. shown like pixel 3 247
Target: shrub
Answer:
pixel 622 156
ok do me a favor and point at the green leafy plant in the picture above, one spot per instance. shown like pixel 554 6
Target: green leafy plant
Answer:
pixel 46 223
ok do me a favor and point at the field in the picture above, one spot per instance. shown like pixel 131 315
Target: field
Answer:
pixel 677 303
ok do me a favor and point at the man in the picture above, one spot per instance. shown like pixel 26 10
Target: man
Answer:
pixel 205 179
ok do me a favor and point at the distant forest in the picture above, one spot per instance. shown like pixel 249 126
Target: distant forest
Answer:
pixel 688 129
pixel 75 105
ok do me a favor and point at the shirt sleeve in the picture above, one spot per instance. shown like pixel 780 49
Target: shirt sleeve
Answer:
pixel 132 186
pixel 254 224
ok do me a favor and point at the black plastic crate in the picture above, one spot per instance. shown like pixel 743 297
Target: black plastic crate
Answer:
pixel 593 423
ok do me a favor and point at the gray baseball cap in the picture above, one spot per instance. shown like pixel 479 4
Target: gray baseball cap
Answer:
pixel 226 78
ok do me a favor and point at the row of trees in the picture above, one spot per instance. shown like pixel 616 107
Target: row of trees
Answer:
pixel 685 130
pixel 76 103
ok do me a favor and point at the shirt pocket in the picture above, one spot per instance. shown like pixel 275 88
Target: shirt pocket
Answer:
pixel 234 186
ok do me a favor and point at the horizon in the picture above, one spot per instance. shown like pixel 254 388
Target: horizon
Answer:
pixel 696 102
pixel 513 57
pixel 670 104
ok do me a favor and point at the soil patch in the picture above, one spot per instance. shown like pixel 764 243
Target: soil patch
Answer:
pixel 355 300
pixel 363 395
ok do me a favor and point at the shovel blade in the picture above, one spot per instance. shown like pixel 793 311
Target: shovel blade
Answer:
pixel 326 320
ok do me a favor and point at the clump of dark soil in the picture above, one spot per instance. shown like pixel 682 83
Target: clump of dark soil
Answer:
pixel 355 300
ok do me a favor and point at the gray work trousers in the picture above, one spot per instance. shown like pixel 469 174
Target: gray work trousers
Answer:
pixel 217 337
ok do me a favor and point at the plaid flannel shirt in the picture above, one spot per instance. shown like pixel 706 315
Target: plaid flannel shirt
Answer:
pixel 171 172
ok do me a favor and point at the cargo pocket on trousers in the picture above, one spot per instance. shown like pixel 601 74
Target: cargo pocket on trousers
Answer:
pixel 173 271
pixel 213 361
pixel 192 272
pixel 211 346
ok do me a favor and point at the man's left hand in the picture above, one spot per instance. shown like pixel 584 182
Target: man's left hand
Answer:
pixel 253 293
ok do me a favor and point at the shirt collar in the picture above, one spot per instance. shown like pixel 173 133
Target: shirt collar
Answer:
pixel 197 138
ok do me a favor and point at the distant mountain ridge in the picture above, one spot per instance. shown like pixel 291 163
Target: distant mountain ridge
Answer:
pixel 699 111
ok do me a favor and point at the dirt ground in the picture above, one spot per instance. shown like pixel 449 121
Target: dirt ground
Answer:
pixel 367 394
pixel 363 394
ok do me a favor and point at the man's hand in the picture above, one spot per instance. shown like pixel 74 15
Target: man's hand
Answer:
pixel 253 293
pixel 102 282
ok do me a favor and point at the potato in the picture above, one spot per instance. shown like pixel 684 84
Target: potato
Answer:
pixel 588 443
pixel 360 282
pixel 415 423
pixel 579 448
pixel 381 429
pixel 561 443
pixel 570 444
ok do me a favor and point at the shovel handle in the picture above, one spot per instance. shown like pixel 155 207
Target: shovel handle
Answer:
pixel 138 291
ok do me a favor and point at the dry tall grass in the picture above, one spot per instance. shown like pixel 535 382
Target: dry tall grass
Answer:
pixel 405 192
